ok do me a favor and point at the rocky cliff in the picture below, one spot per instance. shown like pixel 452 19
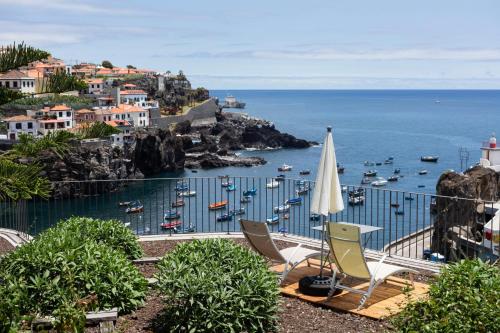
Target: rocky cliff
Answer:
pixel 462 218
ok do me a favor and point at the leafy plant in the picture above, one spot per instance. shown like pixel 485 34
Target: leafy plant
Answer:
pixel 19 181
pixel 7 95
pixel 107 64
pixel 61 81
pixel 97 130
pixel 63 276
pixel 109 232
pixel 215 285
pixel 465 298
pixel 30 146
pixel 75 102
pixel 14 56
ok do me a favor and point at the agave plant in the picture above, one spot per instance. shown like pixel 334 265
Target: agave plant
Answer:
pixel 21 182
pixel 29 146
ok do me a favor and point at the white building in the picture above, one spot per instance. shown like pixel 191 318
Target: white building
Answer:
pixel 490 154
pixel 19 81
pixel 133 96
pixel 126 131
pixel 95 86
pixel 135 115
pixel 21 124
pixel 59 117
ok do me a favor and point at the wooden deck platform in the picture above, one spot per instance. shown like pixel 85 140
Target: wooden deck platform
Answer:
pixel 386 300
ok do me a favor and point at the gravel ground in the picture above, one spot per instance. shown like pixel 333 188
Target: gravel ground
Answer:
pixel 5 246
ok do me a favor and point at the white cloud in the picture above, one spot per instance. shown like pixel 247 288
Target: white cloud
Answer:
pixel 73 6
pixel 367 55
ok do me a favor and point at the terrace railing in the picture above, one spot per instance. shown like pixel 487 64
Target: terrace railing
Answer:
pixel 411 225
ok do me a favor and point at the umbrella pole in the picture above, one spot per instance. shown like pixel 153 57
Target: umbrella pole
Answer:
pixel 322 246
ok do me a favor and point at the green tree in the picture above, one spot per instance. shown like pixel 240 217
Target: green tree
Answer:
pixel 107 64
pixel 61 81
pixel 131 67
pixel 21 182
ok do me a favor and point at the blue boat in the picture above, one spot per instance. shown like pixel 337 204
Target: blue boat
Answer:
pixel 300 182
pixel 294 201
pixel 224 217
pixel 250 192
pixel 231 187
pixel 283 230
pixel 273 220
pixel 171 215
pixel 186 230
pixel 239 211
pixel 181 187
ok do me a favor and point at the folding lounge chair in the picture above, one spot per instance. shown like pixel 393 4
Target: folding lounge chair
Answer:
pixel 258 236
pixel 347 252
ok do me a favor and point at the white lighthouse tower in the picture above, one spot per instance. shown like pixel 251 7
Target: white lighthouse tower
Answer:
pixel 490 154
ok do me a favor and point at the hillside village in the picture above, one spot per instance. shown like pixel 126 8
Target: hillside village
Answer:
pixel 125 98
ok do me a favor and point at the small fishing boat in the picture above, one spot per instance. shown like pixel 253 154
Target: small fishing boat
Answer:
pixel 250 192
pixel 224 218
pixel 302 190
pixel 357 192
pixel 280 178
pixel 226 183
pixel 231 188
pixel 370 173
pixel 285 167
pixel 429 158
pixel 134 207
pixel 305 172
pixel 217 205
pixel 423 172
pixel 283 230
pixel 393 179
pixel 368 163
pixel 409 198
pixel 390 158
pixel 181 187
pixel 340 169
pixel 365 181
pixel 397 171
pixel 315 217
pixel 171 224
pixel 194 171
pixel 273 220
pixel 420 186
pixel 281 209
pixel 294 201
pixel 286 216
pixel 379 182
pixel 388 161
pixel 344 188
pixel 178 203
pixel 189 229
pixel 171 215
pixel 239 211
pixel 355 201
pixel 300 182
pixel 272 184
pixel 399 212
pixel 186 194
pixel 246 199
pixel 378 163
pixel 124 203
pixel 395 205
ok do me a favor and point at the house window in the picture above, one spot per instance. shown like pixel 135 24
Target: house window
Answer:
pixel 60 114
pixel 19 125
pixel 24 84
pixel 32 83
pixel 92 86
pixel 68 113
pixel 30 125
pixel 128 115
pixel 7 84
pixel 15 84
pixel 67 124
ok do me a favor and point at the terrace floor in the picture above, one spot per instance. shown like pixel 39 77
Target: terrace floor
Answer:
pixel 386 300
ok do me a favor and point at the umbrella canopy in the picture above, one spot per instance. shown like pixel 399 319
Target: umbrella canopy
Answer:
pixel 327 196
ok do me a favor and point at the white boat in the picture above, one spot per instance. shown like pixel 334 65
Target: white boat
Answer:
pixel 422 172
pixel 379 182
pixel 356 200
pixel 187 194
pixel 285 167
pixel 344 188
pixel 281 209
pixel 273 184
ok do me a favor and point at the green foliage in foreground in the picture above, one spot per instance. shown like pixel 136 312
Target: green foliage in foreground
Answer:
pixel 14 56
pixel 21 182
pixel 97 130
pixel 29 146
pixel 465 298
pixel 109 232
pixel 215 285
pixel 62 275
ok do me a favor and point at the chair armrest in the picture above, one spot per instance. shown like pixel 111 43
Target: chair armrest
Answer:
pixel 293 254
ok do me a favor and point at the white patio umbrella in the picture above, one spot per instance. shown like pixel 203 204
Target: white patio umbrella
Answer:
pixel 327 196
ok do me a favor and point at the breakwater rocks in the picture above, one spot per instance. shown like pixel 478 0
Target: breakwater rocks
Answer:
pixel 464 219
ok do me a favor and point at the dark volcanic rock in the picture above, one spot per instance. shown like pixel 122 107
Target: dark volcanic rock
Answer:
pixel 157 151
pixel 210 161
pixel 460 217
pixel 268 136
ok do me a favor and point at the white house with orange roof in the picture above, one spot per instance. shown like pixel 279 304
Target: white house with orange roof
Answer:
pixel 126 131
pixel 59 117
pixel 85 116
pixel 135 115
pixel 95 85
pixel 134 96
pixel 21 124
pixel 18 81
pixel 103 114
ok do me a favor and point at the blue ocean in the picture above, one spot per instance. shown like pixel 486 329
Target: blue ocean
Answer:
pixel 371 125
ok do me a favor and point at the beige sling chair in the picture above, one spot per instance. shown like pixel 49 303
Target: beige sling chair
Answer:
pixel 258 236
pixel 345 248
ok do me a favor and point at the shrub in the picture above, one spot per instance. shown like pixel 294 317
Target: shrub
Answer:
pixel 63 276
pixel 215 285
pixel 110 232
pixel 465 298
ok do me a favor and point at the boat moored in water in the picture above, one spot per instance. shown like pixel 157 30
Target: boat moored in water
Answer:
pixel 273 220
pixel 370 173
pixel 186 194
pixel 368 163
pixel 281 209
pixel 246 199
pixel 285 167
pixel 171 224
pixel 280 178
pixel 303 190
pixel 379 182
pixel 393 179
pixel 239 211
pixel 365 181
pixel 224 218
pixel 171 215
pixel 430 158
pixel 294 201
pixel 226 183
pixel 272 184
pixel 423 172
pixel 399 212
pixel 315 217
pixel 231 188
pixel 251 191
pixel 397 171
pixel 305 172
pixel 178 203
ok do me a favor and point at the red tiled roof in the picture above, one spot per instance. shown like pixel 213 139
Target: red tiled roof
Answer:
pixel 60 107
pixel 14 74
pixel 132 92
pixel 18 118
pixel 127 108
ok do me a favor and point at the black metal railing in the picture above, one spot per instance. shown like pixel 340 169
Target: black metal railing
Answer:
pixel 412 225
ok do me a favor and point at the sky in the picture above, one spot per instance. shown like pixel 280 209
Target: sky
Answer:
pixel 275 44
